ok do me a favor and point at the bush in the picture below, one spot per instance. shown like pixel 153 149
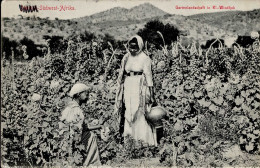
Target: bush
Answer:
pixel 56 43
pixel 244 41
pixel 32 50
pixel 149 33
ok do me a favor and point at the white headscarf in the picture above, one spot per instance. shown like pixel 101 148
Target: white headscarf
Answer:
pixel 140 42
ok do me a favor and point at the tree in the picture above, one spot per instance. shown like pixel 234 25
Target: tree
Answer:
pixel 150 33
pixel 7 45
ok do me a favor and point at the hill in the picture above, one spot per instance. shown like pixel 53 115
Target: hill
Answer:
pixel 238 22
pixel 123 23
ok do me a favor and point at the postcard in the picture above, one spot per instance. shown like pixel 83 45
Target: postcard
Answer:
pixel 129 83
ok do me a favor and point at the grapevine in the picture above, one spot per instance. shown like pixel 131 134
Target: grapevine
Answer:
pixel 212 98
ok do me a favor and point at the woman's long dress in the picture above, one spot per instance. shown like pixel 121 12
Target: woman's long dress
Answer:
pixel 136 99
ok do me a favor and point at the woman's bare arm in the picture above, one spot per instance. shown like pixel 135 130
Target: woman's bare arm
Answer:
pixel 151 90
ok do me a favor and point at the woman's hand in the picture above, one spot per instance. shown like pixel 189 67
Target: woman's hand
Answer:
pixel 153 102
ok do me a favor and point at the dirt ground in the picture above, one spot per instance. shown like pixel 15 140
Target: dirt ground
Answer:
pixel 233 157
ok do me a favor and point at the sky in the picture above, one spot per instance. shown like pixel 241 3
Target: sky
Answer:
pixel 10 8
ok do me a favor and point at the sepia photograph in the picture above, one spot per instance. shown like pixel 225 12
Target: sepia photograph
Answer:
pixel 130 83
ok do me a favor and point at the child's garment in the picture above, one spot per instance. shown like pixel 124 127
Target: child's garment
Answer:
pixel 73 113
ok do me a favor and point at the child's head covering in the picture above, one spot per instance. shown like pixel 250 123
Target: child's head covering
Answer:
pixel 78 88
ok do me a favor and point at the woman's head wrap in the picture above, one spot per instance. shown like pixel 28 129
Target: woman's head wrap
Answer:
pixel 140 42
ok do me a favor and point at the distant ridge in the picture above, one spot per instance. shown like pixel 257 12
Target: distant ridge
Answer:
pixel 238 22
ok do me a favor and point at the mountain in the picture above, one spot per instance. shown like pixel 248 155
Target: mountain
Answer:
pixel 116 13
pixel 118 22
pixel 145 11
pixel 125 22
pixel 139 12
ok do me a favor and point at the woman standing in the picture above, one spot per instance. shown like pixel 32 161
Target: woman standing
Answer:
pixel 135 92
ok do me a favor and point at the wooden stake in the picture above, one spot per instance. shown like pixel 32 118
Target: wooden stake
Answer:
pixel 12 68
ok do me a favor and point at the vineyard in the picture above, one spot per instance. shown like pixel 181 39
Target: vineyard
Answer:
pixel 212 97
